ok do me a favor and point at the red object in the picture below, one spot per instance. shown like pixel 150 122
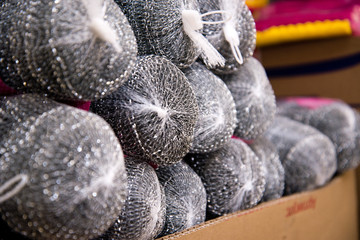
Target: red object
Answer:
pixel 6 90
pixel 78 104
pixel 82 105
pixel 153 165
pixel 286 12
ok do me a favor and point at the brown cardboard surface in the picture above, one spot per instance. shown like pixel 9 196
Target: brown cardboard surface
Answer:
pixel 304 52
pixel 328 213
pixel 341 84
pixel 358 193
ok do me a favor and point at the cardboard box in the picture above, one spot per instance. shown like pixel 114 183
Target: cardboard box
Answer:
pixel 325 68
pixel 358 194
pixel 328 213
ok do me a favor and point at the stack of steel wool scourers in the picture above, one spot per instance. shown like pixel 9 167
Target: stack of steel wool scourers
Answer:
pixel 179 127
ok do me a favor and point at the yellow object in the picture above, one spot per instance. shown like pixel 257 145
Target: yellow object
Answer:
pixel 303 31
pixel 256 3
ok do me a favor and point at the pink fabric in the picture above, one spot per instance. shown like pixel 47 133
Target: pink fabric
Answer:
pixel 6 90
pixel 311 102
pixel 285 12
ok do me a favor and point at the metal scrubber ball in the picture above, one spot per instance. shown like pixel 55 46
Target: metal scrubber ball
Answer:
pixel 254 99
pixel 185 197
pixel 308 156
pixel 65 49
pixel 65 170
pixel 217 113
pixel 143 215
pixel 233 178
pixel 154 113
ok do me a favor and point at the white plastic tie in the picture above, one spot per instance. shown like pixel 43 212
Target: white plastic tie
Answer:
pixel 96 10
pixel 215 22
pixel 20 180
pixel 231 35
pixel 192 23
